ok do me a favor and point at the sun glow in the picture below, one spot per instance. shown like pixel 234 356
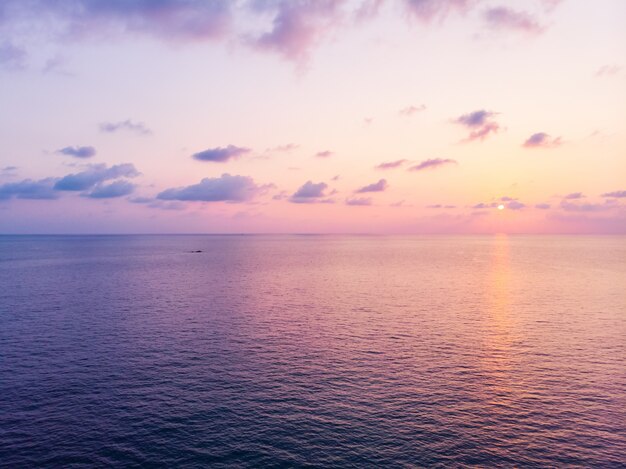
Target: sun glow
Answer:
pixel 500 207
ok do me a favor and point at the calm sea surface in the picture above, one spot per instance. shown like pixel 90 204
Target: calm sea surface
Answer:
pixel 312 351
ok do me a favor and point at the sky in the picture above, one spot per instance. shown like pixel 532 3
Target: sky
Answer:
pixel 313 116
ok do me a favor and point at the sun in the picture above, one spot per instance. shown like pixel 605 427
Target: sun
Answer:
pixel 500 207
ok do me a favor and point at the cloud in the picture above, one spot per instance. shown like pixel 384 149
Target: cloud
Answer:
pixel 615 194
pixel 324 154
pixel 432 164
pixel 94 175
pixel 379 186
pixel 574 195
pixel 359 201
pixel 573 207
pixel 506 198
pixel 29 189
pixel 220 154
pixel 608 70
pixel 78 152
pixel 483 205
pixel 112 190
pixel 429 10
pixel 390 164
pixel 9 169
pixel 225 188
pixel 542 206
pixel 480 123
pixel 515 205
pixel 297 25
pixel 542 140
pixel 284 148
pixel 171 20
pixel 506 18
pixel 11 56
pixel 309 192
pixel 129 125
pixel 440 206
pixel 409 111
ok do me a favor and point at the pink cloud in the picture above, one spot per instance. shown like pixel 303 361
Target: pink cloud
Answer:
pixel 480 123
pixel 432 164
pixel 429 10
pixel 298 26
pixel 506 18
pixel 542 140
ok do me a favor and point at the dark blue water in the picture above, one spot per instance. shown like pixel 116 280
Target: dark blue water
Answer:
pixel 312 351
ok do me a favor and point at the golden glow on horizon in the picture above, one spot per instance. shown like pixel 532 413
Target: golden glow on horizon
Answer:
pixel 500 207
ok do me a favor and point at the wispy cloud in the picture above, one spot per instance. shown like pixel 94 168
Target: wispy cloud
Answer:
pixel 128 125
pixel 324 154
pixel 78 151
pixel 225 188
pixel 297 26
pixel 12 57
pixel 542 206
pixel 432 163
pixel 608 70
pixel 507 18
pixel 615 194
pixel 390 164
pixel 221 154
pixel 429 10
pixel 574 196
pixel 411 110
pixel 542 140
pixel 359 201
pixel 379 186
pixel 481 124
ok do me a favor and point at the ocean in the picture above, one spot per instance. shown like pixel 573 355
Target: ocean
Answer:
pixel 312 351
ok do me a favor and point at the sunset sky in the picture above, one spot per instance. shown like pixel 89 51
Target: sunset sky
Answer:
pixel 319 116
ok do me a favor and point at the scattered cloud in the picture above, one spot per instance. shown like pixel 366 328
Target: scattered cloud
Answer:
pixel 542 140
pixel 9 169
pixel 480 123
pixel 221 154
pixel 430 10
pixel 324 154
pixel 410 110
pixel 296 26
pixel 225 188
pixel 379 186
pixel 390 164
pixel 112 190
pixel 29 189
pixel 615 194
pixel 608 70
pixel 507 18
pixel 515 205
pixel 78 152
pixel 309 192
pixel 128 125
pixel 359 201
pixel 440 206
pixel 432 164
pixel 574 207
pixel 94 175
pixel 284 148
pixel 484 205
pixel 542 206
pixel 574 195
pixel 506 198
